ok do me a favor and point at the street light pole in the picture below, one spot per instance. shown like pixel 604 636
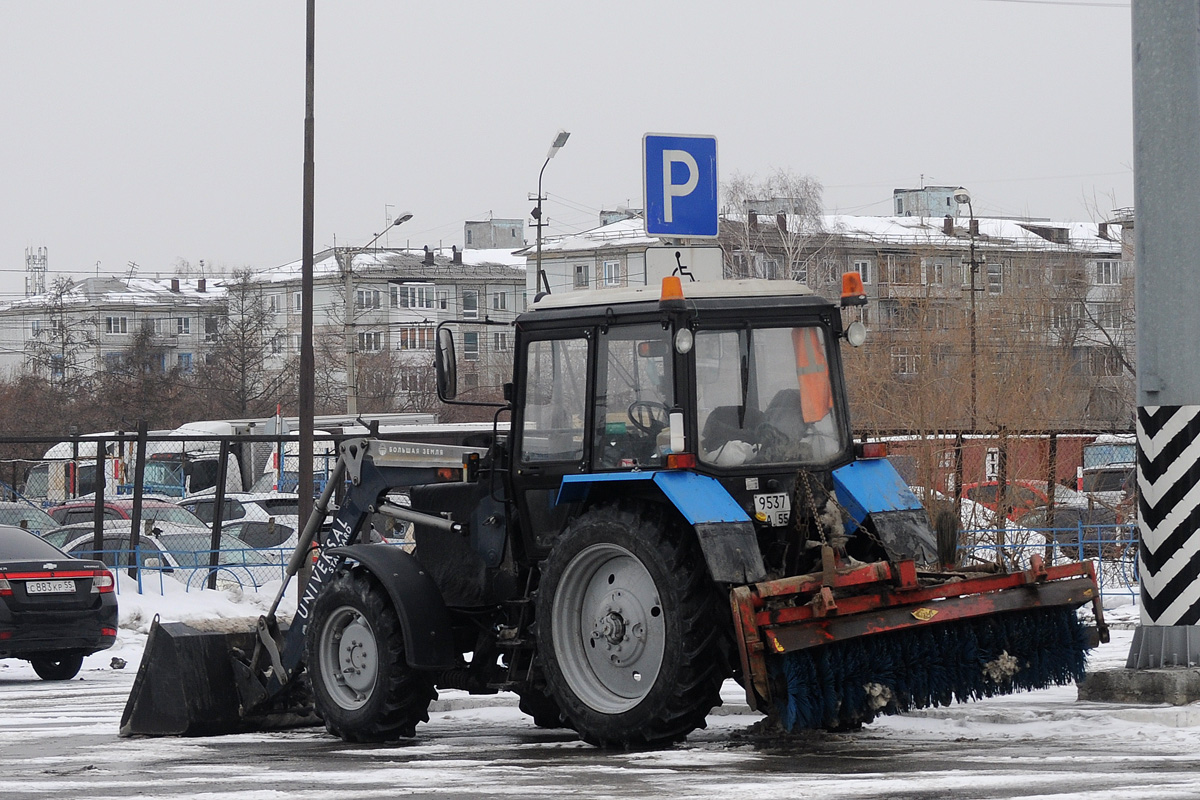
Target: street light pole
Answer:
pixel 961 195
pixel 345 259
pixel 559 140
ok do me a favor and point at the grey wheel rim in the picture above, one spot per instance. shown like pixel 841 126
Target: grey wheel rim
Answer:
pixel 349 658
pixel 609 628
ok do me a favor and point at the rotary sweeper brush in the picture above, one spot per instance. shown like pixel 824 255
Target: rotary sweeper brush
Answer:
pixel 675 499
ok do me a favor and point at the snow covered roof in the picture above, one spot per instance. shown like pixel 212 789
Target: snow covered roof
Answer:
pixel 1009 234
pixel 407 264
pixel 993 233
pixel 626 233
pixel 148 292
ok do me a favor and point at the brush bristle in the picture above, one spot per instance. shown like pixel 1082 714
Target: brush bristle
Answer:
pixel 847 683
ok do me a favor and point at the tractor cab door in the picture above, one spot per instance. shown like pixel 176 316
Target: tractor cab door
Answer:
pixel 549 428
pixel 593 401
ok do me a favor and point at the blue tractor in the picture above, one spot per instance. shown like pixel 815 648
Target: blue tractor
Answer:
pixel 676 500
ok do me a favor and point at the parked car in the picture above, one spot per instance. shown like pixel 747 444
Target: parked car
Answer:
pixel 1023 496
pixel 178 552
pixel 122 508
pixel 54 609
pixel 26 515
pixel 280 506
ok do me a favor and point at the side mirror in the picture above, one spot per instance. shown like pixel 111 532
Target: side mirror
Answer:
pixel 445 365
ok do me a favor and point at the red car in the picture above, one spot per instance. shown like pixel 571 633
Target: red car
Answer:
pixel 1023 496
pixel 122 508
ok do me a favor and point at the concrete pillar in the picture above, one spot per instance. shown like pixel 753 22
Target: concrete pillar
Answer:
pixel 1166 122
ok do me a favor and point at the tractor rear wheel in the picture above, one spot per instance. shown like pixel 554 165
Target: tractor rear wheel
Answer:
pixel 628 631
pixel 362 685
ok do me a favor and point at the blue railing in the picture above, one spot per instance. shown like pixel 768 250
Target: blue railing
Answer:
pixel 1113 549
pixel 247 568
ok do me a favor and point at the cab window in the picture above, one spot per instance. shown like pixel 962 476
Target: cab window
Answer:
pixel 634 398
pixel 555 401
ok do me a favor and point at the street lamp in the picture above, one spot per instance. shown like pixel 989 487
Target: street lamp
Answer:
pixel 961 196
pixel 345 257
pixel 559 140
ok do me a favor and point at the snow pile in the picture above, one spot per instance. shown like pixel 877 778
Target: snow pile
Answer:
pixel 171 601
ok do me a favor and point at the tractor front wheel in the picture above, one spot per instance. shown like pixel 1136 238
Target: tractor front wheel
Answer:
pixel 362 685
pixel 628 631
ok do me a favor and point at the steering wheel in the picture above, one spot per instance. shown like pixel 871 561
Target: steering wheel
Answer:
pixel 640 410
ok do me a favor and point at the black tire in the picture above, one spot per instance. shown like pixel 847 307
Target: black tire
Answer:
pixel 363 689
pixel 57 666
pixel 628 633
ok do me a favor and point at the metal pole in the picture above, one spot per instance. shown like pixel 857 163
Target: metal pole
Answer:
pixel 542 282
pixel 307 358
pixel 346 262
pixel 974 367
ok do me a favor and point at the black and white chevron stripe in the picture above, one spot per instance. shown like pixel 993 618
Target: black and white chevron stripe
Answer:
pixel 1168 474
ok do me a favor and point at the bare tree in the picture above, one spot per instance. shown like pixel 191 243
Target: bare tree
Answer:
pixel 775 219
pixel 238 376
pixel 60 347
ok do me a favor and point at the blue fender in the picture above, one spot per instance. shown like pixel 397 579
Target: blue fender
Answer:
pixel 428 632
pixel 873 488
pixel 723 527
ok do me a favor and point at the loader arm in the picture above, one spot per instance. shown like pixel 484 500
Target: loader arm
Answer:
pixel 200 682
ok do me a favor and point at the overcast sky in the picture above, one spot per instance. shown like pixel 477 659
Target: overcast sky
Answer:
pixel 149 131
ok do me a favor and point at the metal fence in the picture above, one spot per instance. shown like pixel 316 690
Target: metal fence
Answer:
pixel 215 497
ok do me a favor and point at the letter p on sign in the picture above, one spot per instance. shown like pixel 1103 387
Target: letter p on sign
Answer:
pixel 680 182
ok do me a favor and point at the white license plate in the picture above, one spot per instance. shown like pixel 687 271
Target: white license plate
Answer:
pixel 776 507
pixel 49 587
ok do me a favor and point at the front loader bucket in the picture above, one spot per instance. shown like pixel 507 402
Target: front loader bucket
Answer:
pixel 187 686
pixel 838 648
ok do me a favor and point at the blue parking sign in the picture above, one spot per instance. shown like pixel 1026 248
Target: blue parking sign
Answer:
pixel 680 182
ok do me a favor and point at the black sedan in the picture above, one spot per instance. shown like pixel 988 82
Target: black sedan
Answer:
pixel 54 609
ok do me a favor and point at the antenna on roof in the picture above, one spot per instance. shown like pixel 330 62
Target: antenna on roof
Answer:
pixel 133 268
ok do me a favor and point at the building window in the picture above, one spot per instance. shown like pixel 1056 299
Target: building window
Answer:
pixel 366 298
pixel 582 276
pixel 470 304
pixel 1108 273
pixel 297 301
pixel 471 346
pixel 863 267
pixel 35 327
pixel 500 301
pixel 416 338
pixel 116 325
pixel 612 273
pixel 274 303
pixel 278 343
pixel 995 278
pixel 296 343
pixel 903 270
pixel 370 342
pixel 412 296
pixel 500 342
pixel 211 326
pixel 937 272
pixel 443 300
pixel 1108 316
pixel 904 361
pixel 183 326
pixel 1063 315
pixel 185 362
